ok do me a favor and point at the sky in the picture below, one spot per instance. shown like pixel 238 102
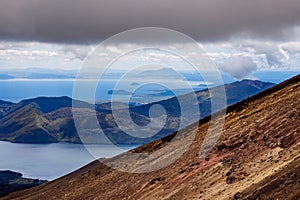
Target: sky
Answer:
pixel 241 37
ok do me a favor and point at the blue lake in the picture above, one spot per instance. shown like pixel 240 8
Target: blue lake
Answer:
pixel 50 161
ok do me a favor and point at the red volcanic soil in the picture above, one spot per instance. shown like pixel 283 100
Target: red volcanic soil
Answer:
pixel 256 157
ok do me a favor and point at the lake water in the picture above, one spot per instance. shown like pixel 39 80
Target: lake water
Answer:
pixel 49 161
pixel 18 90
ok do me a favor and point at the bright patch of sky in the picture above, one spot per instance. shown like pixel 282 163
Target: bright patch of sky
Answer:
pixel 265 55
pixel 23 55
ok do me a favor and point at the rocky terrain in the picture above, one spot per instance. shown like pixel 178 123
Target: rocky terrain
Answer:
pixel 256 157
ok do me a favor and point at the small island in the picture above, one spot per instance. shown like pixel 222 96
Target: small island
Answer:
pixel 118 92
pixel 134 84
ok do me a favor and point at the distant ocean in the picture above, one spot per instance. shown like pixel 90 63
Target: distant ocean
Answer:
pixel 17 90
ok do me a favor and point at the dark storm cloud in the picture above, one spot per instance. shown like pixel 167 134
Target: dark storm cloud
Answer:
pixel 81 21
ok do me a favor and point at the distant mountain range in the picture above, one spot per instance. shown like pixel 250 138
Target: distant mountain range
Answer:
pixel 36 76
pixel 162 73
pixel 36 73
pixel 50 119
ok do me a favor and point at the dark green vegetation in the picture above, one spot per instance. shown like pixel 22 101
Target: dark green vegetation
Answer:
pixel 13 181
pixel 48 120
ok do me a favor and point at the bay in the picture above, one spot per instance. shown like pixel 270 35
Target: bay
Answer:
pixel 50 161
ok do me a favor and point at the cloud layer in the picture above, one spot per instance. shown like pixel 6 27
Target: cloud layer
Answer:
pixel 82 21
pixel 239 67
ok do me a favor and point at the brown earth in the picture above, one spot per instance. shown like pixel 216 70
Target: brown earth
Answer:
pixel 256 157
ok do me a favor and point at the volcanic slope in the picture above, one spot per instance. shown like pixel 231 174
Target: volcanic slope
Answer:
pixel 256 157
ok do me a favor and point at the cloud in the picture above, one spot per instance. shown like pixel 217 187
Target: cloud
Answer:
pixel 267 54
pixel 291 47
pixel 77 51
pixel 30 54
pixel 275 55
pixel 239 67
pixel 4 45
pixel 84 21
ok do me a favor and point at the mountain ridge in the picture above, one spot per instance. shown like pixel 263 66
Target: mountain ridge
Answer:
pixel 59 126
